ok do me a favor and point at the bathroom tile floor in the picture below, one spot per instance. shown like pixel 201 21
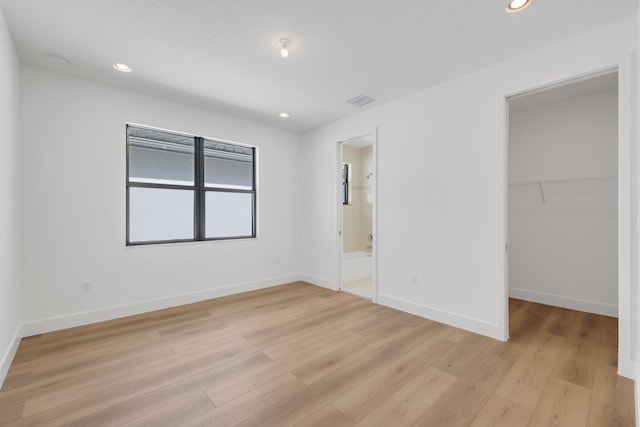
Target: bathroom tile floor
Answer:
pixel 361 288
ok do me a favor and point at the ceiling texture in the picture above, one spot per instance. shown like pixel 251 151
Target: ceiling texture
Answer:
pixel 224 54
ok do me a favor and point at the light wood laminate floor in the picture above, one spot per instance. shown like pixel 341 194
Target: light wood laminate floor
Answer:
pixel 301 355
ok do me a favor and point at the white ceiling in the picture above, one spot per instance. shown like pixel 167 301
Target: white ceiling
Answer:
pixel 224 54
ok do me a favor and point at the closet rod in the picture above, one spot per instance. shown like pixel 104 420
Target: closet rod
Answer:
pixel 558 181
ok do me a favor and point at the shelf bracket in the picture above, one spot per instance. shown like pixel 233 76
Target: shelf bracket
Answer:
pixel 541 192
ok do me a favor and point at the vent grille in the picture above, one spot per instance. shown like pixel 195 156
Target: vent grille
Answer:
pixel 360 100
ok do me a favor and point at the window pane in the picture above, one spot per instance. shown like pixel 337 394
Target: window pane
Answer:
pixel 346 183
pixel 228 165
pixel 228 214
pixel 160 157
pixel 159 214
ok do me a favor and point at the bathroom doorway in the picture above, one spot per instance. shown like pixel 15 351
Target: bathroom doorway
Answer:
pixel 356 206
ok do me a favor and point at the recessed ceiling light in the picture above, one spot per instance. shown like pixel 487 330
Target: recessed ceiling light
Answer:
pixel 285 115
pixel 517 5
pixel 122 67
pixel 284 44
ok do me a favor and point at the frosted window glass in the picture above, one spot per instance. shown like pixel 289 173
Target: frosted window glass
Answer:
pixel 160 214
pixel 228 214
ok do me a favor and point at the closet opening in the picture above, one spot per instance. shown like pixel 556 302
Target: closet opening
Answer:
pixel 562 220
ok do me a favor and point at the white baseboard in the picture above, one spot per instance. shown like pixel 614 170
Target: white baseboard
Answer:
pixel 8 356
pixel 459 321
pixel 318 281
pixel 84 318
pixel 626 368
pixel 565 302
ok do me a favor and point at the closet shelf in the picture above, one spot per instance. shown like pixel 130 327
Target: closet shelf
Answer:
pixel 541 183
pixel 562 181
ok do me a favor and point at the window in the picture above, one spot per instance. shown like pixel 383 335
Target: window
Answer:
pixel 346 183
pixel 184 188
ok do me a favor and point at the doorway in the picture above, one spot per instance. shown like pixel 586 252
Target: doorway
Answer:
pixel 562 199
pixel 356 213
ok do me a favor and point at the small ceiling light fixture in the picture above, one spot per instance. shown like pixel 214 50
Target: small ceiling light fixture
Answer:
pixel 517 5
pixel 284 44
pixel 122 67
pixel 285 115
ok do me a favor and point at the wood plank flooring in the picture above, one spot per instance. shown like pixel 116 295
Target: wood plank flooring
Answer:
pixel 299 355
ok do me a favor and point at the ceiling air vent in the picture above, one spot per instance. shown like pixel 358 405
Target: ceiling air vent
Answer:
pixel 360 100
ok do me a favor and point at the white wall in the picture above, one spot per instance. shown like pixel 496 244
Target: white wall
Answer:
pixel 441 184
pixel 74 211
pixel 563 251
pixel 9 193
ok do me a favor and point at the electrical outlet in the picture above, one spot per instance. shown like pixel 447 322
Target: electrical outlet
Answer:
pixel 85 287
pixel 414 280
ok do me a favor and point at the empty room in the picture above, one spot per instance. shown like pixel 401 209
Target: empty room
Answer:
pixel 229 212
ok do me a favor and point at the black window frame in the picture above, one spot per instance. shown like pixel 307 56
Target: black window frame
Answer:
pixel 346 183
pixel 199 189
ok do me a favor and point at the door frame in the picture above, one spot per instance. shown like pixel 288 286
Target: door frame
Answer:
pixel 373 133
pixel 626 167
